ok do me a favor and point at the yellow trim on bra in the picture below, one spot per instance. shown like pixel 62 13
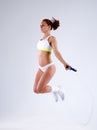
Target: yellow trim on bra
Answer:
pixel 46 50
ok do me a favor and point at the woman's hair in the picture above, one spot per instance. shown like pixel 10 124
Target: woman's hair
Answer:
pixel 54 23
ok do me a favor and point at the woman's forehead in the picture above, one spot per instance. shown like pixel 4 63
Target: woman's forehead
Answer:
pixel 43 23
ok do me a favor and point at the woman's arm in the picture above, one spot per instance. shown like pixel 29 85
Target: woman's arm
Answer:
pixel 57 53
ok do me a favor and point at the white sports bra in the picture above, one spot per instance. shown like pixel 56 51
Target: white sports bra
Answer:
pixel 44 45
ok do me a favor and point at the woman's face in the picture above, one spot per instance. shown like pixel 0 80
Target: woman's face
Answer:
pixel 44 27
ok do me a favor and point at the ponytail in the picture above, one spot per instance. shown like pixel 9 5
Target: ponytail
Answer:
pixel 55 23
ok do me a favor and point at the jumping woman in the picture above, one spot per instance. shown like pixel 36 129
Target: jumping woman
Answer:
pixel 47 68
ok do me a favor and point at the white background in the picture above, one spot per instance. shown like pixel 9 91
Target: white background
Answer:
pixel 20 108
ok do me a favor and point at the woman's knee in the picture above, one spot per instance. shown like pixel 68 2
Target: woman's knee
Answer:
pixel 35 90
pixel 41 90
pixel 38 89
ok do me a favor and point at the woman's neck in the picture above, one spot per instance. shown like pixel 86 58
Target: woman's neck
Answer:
pixel 46 35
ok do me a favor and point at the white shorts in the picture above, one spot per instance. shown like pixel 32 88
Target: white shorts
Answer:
pixel 44 68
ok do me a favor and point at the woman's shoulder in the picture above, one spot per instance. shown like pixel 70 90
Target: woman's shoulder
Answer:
pixel 52 39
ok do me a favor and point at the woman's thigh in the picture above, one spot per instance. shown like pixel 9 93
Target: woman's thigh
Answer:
pixel 46 76
pixel 37 78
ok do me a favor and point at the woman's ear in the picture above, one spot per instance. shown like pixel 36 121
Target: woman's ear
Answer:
pixel 50 27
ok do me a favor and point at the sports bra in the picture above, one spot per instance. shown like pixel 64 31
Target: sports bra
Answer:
pixel 44 45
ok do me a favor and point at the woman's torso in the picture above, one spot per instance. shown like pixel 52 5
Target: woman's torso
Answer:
pixel 44 51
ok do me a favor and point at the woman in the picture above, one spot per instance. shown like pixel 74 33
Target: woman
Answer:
pixel 47 68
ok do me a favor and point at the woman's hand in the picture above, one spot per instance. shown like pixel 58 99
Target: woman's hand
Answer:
pixel 67 67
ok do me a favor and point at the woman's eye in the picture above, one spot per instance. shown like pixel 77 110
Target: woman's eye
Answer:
pixel 41 26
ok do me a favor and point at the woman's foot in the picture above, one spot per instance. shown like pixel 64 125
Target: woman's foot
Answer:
pixel 58 93
pixel 55 96
pixel 61 94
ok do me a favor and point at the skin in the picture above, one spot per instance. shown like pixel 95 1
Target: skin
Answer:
pixel 43 78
